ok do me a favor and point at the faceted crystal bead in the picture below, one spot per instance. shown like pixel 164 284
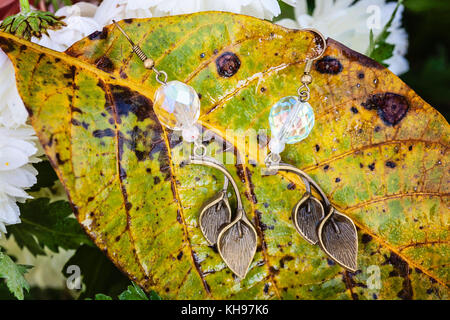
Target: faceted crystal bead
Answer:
pixel 290 121
pixel 177 105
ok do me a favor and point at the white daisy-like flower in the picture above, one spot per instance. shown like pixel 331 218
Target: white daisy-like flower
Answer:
pixel 124 9
pixel 17 152
pixel 18 148
pixel 12 110
pixel 350 22
pixel 80 23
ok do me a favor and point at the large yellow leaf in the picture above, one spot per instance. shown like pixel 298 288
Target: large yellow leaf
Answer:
pixel 377 149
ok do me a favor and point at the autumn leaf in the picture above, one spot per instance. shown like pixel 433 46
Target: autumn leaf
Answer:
pixel 377 149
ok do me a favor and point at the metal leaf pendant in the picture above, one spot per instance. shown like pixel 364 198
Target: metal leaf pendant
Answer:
pixel 307 214
pixel 237 244
pixel 215 215
pixel 339 239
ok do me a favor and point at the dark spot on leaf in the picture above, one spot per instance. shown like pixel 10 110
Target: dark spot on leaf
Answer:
pixel 326 167
pixel 402 269
pixel 285 259
pixel 372 166
pixel 75 122
pixel 123 75
pixel 354 110
pixel 263 89
pixel 127 101
pixel 6 45
pixel 338 180
pixel 227 64
pixel 156 180
pixel 355 56
pixel 329 65
pixel 361 75
pixel 331 262
pixel 366 238
pixel 273 271
pixel 377 129
pixel 128 205
pixel 410 148
pixel 202 55
pixel 96 35
pixel 128 20
pixel 180 255
pixel 391 164
pixel 58 158
pixel 105 64
pixel 317 147
pixel 104 133
pixel 291 186
pixel 122 173
pixel 391 107
pixel 266 288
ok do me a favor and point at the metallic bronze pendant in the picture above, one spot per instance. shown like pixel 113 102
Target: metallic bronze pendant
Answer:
pixel 237 241
pixel 339 239
pixel 309 211
pixel 307 214
pixel 237 244
pixel 215 215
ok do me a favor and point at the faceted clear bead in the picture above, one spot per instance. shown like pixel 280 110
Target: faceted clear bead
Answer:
pixel 290 121
pixel 177 105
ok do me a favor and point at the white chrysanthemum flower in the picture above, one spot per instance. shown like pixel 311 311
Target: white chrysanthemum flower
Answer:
pixel 123 9
pixel 17 140
pixel 12 110
pixel 350 23
pixel 80 23
pixel 17 151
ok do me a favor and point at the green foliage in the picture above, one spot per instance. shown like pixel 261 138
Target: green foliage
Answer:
pixel 31 24
pixel 98 273
pixel 436 73
pixel 14 276
pixel 133 292
pixel 425 5
pixel 379 49
pixel 46 224
pixel 46 175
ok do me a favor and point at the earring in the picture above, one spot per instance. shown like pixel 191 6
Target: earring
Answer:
pixel 291 120
pixel 177 107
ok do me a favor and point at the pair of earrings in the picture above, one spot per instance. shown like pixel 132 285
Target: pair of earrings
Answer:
pixel 291 120
pixel 178 108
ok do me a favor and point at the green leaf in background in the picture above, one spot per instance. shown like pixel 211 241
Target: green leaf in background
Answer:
pixel 46 224
pixel 101 296
pixel 13 274
pixel 436 72
pixel 424 5
pixel 379 49
pixel 98 273
pixel 46 176
pixel 133 292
